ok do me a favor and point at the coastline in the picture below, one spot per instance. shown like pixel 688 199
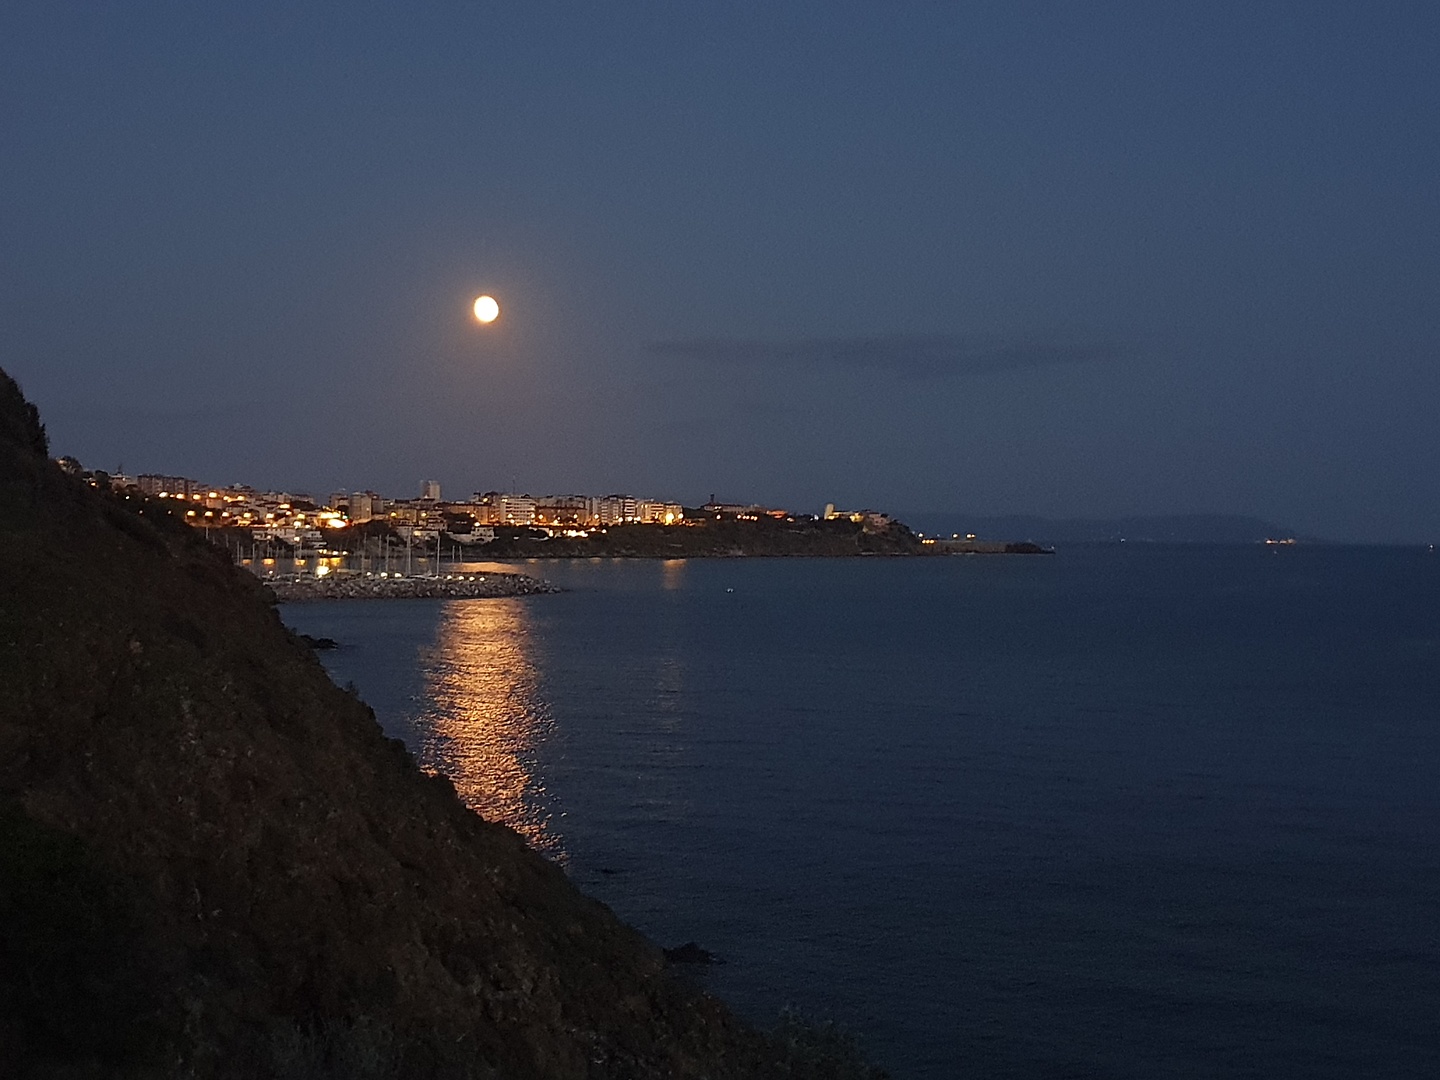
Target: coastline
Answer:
pixel 347 584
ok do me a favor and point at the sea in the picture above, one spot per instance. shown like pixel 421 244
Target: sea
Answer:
pixel 1120 811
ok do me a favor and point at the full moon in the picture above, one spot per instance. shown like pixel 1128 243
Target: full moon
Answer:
pixel 486 309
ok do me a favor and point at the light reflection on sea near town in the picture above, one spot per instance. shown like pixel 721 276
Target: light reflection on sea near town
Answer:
pixel 483 717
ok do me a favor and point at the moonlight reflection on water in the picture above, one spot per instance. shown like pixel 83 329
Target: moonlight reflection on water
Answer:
pixel 483 717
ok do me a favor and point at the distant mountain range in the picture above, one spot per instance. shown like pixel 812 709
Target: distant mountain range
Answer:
pixel 1164 529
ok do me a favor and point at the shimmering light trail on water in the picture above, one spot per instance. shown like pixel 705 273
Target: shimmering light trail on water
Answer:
pixel 482 716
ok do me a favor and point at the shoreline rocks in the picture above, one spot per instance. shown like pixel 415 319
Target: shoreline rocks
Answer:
pixel 691 953
pixel 342 586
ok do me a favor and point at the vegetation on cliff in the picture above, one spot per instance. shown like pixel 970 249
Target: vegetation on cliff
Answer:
pixel 214 864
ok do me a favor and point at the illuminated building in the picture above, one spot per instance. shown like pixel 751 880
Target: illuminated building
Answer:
pixel 153 485
pixel 517 509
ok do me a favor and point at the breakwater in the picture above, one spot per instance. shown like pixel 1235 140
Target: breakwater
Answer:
pixel 341 586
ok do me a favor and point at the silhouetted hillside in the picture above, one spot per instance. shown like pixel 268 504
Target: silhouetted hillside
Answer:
pixel 214 864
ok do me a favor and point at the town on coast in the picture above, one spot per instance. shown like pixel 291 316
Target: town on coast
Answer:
pixel 379 546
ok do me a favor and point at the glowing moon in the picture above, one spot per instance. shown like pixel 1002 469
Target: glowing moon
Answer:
pixel 486 309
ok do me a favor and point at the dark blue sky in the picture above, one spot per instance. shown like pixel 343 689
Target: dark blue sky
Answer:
pixel 1054 258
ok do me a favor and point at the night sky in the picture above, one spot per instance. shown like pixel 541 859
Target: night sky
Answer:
pixel 1055 258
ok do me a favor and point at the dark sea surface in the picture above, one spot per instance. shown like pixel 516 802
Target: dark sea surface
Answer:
pixel 1124 811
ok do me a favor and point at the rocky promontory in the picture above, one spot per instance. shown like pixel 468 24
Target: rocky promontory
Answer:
pixel 214 864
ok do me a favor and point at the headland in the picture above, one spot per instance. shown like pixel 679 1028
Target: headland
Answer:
pixel 215 865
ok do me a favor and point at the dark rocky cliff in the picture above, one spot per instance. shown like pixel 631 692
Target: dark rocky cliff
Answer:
pixel 213 863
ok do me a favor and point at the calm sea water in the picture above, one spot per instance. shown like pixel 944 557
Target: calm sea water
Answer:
pixel 1123 811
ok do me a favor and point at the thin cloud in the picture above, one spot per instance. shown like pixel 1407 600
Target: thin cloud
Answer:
pixel 912 356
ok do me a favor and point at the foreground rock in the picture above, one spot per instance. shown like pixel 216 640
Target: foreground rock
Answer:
pixel 691 953
pixel 343 586
pixel 213 863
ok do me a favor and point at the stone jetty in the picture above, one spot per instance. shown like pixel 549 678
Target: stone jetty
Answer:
pixel 342 586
